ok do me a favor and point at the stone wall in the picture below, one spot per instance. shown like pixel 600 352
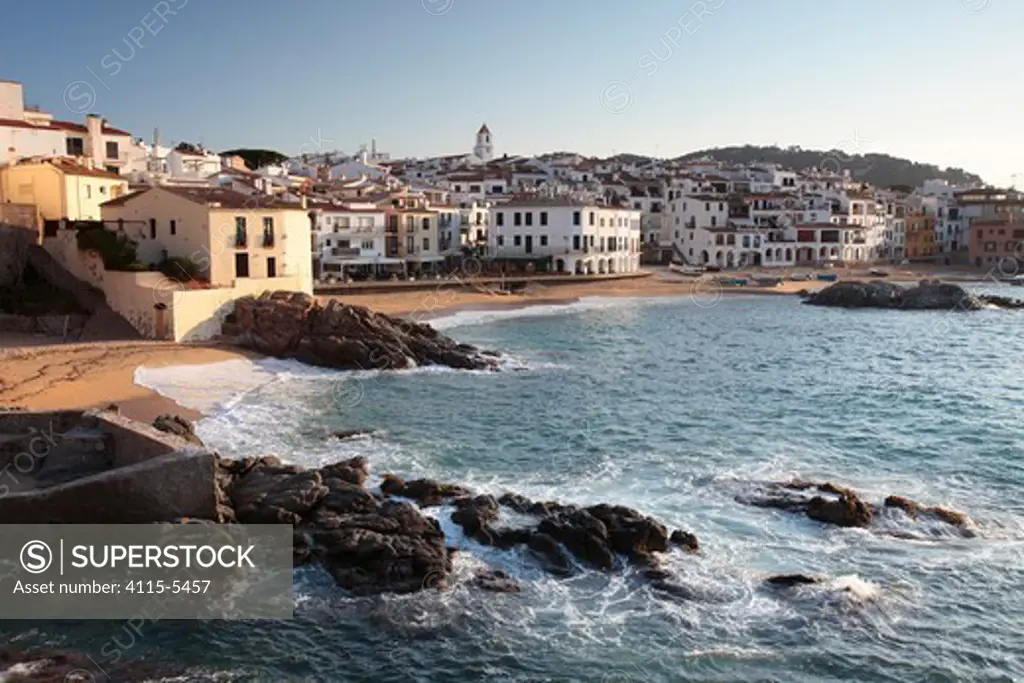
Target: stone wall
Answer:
pixel 164 488
pixel 99 467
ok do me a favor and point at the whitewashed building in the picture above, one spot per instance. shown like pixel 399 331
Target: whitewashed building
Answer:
pixel 576 236
pixel 350 239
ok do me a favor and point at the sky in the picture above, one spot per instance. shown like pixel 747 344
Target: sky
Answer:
pixel 930 80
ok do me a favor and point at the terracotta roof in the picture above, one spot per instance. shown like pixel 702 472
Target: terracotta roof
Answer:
pixel 79 128
pixel 70 167
pixel 340 208
pixel 58 125
pixel 225 198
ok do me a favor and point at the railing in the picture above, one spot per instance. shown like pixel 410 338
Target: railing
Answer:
pixel 345 252
pixel 241 240
pixel 268 240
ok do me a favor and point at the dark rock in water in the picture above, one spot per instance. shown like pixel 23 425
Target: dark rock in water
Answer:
pixel 179 426
pixel 557 562
pixel 62 666
pixel 391 549
pixel 928 295
pixel 1001 301
pixel 842 507
pixel 475 515
pixel 848 511
pixel 915 510
pixel 496 581
pixel 791 580
pixel 295 325
pixel 426 492
pixel 354 471
pixel 351 433
pixel 685 540
pixel 584 535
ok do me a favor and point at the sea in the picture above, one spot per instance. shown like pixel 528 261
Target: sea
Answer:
pixel 676 407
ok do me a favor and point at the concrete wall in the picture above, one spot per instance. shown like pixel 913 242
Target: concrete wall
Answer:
pixel 167 487
pixel 198 314
pixel 188 315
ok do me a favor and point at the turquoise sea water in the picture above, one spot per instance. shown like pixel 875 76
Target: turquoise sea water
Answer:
pixel 674 407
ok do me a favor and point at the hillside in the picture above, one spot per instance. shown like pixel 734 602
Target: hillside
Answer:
pixel 880 170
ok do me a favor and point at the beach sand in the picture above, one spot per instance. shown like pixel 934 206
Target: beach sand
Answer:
pixel 73 376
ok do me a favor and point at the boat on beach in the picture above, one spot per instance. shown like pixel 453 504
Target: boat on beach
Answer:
pixel 828 277
pixel 684 269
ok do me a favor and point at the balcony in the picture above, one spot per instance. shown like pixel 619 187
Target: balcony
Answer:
pixel 241 240
pixel 345 252
pixel 268 240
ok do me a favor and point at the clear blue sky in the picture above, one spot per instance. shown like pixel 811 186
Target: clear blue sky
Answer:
pixel 932 80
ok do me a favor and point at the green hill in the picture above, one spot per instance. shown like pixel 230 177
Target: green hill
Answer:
pixel 880 170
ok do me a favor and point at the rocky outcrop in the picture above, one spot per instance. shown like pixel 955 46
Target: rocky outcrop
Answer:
pixel 927 295
pixel 843 507
pixel 335 335
pixel 917 511
pixel 380 542
pixel 791 580
pixel 63 666
pixel 179 426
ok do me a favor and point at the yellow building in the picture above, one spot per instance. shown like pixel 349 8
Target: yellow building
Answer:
pixel 229 235
pixel 60 188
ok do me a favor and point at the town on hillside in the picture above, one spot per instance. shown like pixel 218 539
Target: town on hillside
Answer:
pixel 173 235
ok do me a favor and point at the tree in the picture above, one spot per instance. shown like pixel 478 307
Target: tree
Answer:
pixel 187 147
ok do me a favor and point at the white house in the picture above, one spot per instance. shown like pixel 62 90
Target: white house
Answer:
pixel 350 238
pixel 577 236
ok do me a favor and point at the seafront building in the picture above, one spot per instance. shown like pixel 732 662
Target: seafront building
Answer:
pixel 566 235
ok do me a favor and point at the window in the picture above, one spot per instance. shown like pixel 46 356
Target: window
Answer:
pixel 543 217
pixel 113 169
pixel 684 206
pixel 152 228
pixel 591 217
pixel 271 266
pixel 576 240
pixel 268 231
pixel 517 240
pixel 458 188
pixel 426 244
pixel 517 218
pixel 88 191
pixel 111 150
pixel 240 236
pixel 721 206
pixel 575 217
pixel 474 188
pixel 426 224
pixel 714 221
pixel 174 227
pixel 76 147
pixel 501 240
pixel 543 240
pixel 529 218
pixel 500 219
pixel 241 264
pixel 707 206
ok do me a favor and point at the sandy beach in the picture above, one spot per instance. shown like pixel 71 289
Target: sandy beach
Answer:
pixel 39 373
pixel 69 376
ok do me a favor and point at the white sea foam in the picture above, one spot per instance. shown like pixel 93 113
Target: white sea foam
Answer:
pixel 480 317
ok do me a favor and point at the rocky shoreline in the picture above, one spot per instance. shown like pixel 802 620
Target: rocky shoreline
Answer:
pixel 375 541
pixel 926 295
pixel 335 335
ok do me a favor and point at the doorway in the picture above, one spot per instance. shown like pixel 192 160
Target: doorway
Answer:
pixel 241 264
